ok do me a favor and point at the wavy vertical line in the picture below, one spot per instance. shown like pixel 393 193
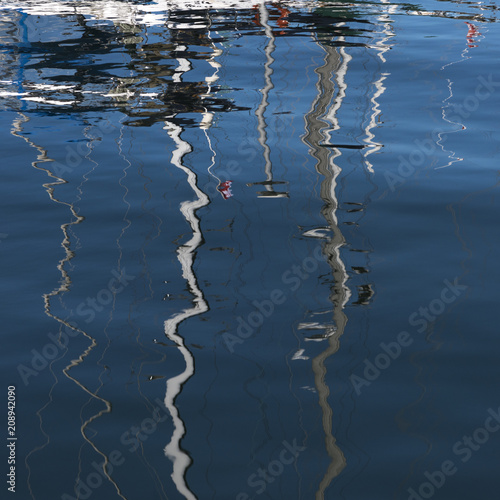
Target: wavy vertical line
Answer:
pixel 63 287
pixel 42 157
pixel 404 416
pixel 264 103
pixel 461 126
pixel 186 255
pixel 152 235
pixel 207 117
pixel 87 422
pixel 268 71
pixel 323 113
pixel 381 48
pixel 372 124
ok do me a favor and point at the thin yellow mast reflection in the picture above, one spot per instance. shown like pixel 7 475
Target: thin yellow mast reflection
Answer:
pixel 323 113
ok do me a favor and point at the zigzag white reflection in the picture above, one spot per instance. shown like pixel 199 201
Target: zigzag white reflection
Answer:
pixel 381 47
pixel 185 254
pixel 268 71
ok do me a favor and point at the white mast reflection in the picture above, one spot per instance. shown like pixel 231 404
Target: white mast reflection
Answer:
pixel 186 255
pixel 381 47
pixel 261 121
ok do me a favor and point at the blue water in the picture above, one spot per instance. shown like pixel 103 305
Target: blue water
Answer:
pixel 250 251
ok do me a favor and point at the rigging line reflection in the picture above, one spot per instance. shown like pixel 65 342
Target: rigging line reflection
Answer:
pixel 381 48
pixel 86 423
pixel 375 147
pixel 207 118
pixel 126 179
pixel 261 121
pixel 381 45
pixel 224 187
pixel 408 416
pixel 186 255
pixel 43 157
pixel 459 127
pixel 323 111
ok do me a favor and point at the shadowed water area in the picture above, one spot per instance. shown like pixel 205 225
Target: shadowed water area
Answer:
pixel 250 250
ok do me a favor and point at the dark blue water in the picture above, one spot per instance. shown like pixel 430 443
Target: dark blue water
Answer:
pixel 250 250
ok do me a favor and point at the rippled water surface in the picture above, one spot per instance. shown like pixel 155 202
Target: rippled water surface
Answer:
pixel 250 250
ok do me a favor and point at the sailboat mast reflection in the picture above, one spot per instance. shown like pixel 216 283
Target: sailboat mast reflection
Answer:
pixel 48 298
pixel 261 121
pixel 381 48
pixel 322 114
pixel 186 255
pixel 320 123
